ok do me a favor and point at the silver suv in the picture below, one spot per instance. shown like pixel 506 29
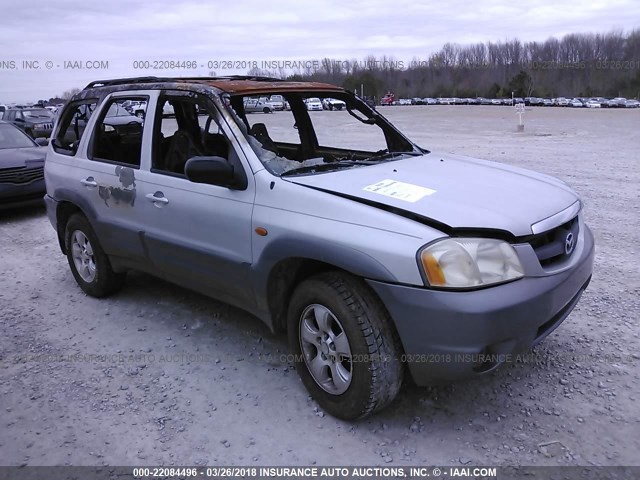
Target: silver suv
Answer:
pixel 378 257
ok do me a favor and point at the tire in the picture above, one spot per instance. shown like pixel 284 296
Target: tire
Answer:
pixel 97 278
pixel 346 388
pixel 266 110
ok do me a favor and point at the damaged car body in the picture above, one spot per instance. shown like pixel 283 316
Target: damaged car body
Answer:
pixel 377 257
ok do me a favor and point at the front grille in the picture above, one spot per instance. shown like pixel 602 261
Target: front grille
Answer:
pixel 21 175
pixel 551 246
pixel 44 126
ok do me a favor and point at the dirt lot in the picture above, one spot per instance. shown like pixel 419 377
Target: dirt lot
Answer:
pixel 166 376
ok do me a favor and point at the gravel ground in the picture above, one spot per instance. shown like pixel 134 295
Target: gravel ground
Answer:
pixel 166 376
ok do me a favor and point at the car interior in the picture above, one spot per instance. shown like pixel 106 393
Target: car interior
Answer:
pixel 116 141
pixel 309 131
pixel 178 139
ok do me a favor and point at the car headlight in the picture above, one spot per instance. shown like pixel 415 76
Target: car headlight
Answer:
pixel 469 262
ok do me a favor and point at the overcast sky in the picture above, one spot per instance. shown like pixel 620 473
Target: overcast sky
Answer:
pixel 122 32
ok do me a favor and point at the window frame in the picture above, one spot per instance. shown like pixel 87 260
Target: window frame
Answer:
pixel 71 107
pixel 101 114
pixel 194 97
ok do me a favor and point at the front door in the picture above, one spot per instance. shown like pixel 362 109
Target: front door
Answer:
pixel 198 235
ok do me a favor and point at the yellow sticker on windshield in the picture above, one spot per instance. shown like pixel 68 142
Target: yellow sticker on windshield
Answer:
pixel 400 190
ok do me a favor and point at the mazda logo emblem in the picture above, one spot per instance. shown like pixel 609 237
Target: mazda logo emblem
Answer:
pixel 569 243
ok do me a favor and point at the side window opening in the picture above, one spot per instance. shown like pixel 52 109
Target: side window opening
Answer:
pixel 118 134
pixel 186 127
pixel 71 127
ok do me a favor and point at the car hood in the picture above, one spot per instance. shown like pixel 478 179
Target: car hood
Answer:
pixel 459 192
pixel 22 157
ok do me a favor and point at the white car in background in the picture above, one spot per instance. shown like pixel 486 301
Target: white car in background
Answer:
pixel 592 104
pixel 313 104
pixel 576 103
pixel 139 108
pixel 333 104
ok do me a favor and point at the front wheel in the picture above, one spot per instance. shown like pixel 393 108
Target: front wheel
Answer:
pixel 346 350
pixel 89 264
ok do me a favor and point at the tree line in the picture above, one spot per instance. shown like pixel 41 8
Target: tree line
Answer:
pixel 578 64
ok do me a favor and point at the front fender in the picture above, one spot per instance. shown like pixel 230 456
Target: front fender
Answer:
pixel 344 257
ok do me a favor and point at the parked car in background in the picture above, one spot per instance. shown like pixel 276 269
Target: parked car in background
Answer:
pixel 632 104
pixel 561 102
pixel 404 101
pixel 137 108
pixel 576 103
pixel 277 102
pixel 387 99
pixel 35 121
pixel 617 102
pixel 601 100
pixel 333 104
pixel 518 100
pixel 313 104
pixel 591 103
pixel 484 101
pixel 257 105
pixel 429 101
pixel 3 108
pixel 496 101
pixel 21 167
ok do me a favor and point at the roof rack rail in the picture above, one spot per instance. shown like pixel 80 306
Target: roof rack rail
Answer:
pixel 134 80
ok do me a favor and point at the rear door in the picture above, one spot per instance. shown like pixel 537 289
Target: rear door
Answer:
pixel 98 152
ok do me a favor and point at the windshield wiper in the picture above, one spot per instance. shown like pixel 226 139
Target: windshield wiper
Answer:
pixel 386 155
pixel 325 167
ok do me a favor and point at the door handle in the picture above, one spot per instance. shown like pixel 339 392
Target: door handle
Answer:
pixel 89 182
pixel 157 197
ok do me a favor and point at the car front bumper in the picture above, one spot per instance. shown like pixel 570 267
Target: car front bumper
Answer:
pixel 13 196
pixel 451 335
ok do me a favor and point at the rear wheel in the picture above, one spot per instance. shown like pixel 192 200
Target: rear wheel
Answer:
pixel 89 264
pixel 346 349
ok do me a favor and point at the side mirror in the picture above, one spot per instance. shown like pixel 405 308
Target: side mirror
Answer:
pixel 18 119
pixel 213 171
pixel 43 142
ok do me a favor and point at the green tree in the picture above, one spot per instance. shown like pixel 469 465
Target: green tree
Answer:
pixel 520 84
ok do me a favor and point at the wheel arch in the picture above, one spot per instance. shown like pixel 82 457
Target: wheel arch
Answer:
pixel 68 204
pixel 285 264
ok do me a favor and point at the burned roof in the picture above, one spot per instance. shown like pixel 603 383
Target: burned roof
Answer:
pixel 234 85
pixel 252 86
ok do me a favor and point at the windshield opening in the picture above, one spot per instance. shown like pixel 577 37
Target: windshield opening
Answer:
pixel 316 132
